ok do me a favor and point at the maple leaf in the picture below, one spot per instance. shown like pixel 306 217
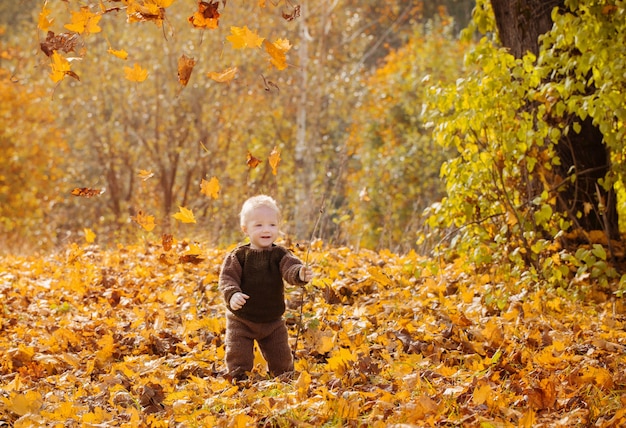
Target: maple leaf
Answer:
pixel 122 54
pixel 274 160
pixel 147 10
pixel 84 21
pixel 185 67
pixel 242 37
pixel 43 22
pixel 87 192
pixel 184 215
pixel 210 188
pixel 90 237
pixel 225 76
pixel 144 220
pixel 136 73
pixel 64 42
pixel 295 13
pixel 277 52
pixel 252 161
pixel 60 68
pixel 207 15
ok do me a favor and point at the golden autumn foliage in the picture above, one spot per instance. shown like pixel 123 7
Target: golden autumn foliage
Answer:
pixel 135 337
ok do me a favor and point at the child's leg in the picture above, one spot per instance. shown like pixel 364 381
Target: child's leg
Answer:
pixel 239 347
pixel 275 349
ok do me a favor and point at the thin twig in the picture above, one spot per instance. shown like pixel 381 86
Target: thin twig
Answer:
pixel 306 265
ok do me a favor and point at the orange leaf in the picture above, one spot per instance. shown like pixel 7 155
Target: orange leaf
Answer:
pixel 44 23
pixel 86 192
pixel 207 15
pixel 184 215
pixel 274 160
pixel 225 76
pixel 210 188
pixel 277 52
pixel 61 68
pixel 144 220
pixel 242 37
pixel 252 162
pixel 136 74
pixel 122 54
pixel 185 67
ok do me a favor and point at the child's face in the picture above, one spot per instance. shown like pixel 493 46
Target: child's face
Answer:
pixel 261 227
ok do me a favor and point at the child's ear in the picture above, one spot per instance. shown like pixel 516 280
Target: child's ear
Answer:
pixel 244 229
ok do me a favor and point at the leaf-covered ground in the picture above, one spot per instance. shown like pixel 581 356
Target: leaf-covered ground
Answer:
pixel 134 337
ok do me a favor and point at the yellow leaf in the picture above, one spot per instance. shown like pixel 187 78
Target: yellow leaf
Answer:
pixel 145 174
pixel 210 188
pixel 44 23
pixel 90 237
pixel 27 403
pixel 302 385
pixel 122 54
pixel 136 74
pixel 225 76
pixel 60 67
pixel 340 359
pixel 274 159
pixel 482 395
pixel 107 347
pixel 84 21
pixel 277 52
pixel 184 215
pixel 242 37
pixel 194 250
pixel 144 220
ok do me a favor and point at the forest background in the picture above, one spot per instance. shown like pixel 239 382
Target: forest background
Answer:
pixel 468 272
pixel 344 116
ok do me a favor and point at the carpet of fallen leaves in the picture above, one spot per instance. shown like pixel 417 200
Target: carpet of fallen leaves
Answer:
pixel 134 337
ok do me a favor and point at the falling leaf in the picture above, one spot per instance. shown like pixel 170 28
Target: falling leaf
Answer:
pixel 87 192
pixel 64 42
pixel 277 52
pixel 90 237
pixel 44 22
pixel 84 21
pixel 145 174
pixel 207 15
pixel 210 188
pixel 61 68
pixel 122 54
pixel 185 67
pixel 295 13
pixel 242 37
pixel 136 73
pixel 252 161
pixel 184 215
pixel 147 10
pixel 144 220
pixel 225 76
pixel 274 160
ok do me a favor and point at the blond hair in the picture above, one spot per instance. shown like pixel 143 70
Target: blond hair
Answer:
pixel 255 202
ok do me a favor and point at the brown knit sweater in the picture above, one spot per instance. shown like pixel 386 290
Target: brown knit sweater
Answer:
pixel 260 275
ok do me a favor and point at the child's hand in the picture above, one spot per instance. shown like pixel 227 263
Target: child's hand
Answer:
pixel 306 273
pixel 237 300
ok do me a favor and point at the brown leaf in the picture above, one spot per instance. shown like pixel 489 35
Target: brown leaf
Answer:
pixel 185 67
pixel 86 192
pixel 64 42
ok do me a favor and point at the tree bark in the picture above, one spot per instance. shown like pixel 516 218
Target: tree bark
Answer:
pixel 520 23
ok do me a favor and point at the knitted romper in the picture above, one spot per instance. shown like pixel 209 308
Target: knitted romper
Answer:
pixel 260 275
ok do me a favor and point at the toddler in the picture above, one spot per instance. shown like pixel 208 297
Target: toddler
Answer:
pixel 251 280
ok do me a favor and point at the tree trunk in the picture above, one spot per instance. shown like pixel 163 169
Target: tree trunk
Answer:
pixel 520 23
